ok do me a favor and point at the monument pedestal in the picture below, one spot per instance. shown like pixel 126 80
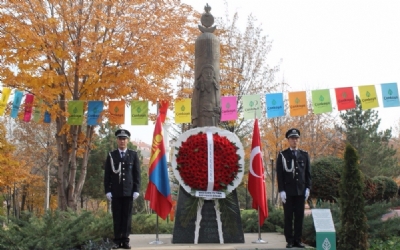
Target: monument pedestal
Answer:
pixel 208 232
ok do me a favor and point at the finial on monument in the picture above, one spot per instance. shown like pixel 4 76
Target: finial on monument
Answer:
pixel 207 20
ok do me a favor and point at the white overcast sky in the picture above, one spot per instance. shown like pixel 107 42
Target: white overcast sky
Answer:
pixel 325 44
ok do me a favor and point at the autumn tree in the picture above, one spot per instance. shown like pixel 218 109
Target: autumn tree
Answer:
pixel 319 135
pixel 14 173
pixel 245 69
pixel 63 50
pixel 37 145
pixel 377 157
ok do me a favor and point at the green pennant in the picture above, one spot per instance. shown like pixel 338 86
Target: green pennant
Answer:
pixel 75 110
pixel 139 112
pixel 321 100
pixel 37 111
pixel 251 106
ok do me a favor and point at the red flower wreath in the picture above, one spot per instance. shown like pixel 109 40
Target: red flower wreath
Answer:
pixel 192 162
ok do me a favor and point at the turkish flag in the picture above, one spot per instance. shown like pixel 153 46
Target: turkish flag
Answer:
pixel 256 183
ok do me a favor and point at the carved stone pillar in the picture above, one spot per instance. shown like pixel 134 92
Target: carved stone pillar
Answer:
pixel 206 111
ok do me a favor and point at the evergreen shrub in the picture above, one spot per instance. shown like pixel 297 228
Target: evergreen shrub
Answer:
pixel 325 175
pixel 147 224
pixel 58 230
pixel 353 232
pixel 386 188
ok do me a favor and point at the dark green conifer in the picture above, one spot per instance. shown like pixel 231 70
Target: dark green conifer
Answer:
pixel 353 230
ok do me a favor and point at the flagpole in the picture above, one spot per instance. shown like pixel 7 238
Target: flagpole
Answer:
pixel 157 241
pixel 259 240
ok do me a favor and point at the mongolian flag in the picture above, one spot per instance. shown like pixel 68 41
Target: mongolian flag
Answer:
pixel 163 109
pixel 256 183
pixel 158 190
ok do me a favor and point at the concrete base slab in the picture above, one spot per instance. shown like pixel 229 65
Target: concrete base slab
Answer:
pixel 149 242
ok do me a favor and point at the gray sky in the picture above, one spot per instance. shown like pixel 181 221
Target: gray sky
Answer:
pixel 327 44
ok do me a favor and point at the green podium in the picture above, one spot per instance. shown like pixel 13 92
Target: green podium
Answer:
pixel 325 229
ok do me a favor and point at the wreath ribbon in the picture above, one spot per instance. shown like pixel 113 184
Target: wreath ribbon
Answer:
pixel 210 153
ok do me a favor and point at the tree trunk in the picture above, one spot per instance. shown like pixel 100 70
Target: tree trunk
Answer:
pixel 68 187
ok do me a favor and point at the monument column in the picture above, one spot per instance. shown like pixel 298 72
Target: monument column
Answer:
pixel 206 111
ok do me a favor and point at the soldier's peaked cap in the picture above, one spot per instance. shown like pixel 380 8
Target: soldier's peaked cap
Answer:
pixel 293 132
pixel 122 133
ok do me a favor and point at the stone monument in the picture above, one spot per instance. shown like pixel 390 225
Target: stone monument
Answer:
pixel 206 111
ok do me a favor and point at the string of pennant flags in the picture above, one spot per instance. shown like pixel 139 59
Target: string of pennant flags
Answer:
pixel 274 105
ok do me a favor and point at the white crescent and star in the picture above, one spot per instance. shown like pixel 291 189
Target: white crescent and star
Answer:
pixel 255 151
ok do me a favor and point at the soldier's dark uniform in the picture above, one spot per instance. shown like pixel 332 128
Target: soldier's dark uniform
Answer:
pixel 294 182
pixel 122 188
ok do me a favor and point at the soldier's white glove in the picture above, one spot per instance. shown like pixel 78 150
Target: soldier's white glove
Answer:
pixel 283 196
pixel 109 196
pixel 135 195
pixel 307 193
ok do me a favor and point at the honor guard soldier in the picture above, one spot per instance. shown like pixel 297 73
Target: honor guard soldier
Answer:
pixel 294 184
pixel 121 185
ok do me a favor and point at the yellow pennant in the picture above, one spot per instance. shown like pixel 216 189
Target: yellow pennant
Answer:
pixel 183 110
pixel 368 97
pixel 4 98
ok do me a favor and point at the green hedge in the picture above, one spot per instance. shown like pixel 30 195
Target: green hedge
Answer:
pixel 386 188
pixel 326 173
pixel 58 231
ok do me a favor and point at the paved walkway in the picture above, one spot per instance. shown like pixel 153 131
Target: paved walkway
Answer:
pixel 142 242
pixel 391 214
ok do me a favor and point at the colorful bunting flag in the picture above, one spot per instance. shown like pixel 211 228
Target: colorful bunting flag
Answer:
pixel 368 97
pixel 251 106
pixel 274 105
pixel 47 117
pixel 4 98
pixel 139 112
pixel 183 111
pixel 94 110
pixel 229 108
pixel 16 103
pixel 117 112
pixel 75 110
pixel 36 113
pixel 298 103
pixel 345 98
pixel 321 100
pixel 390 95
pixel 28 107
